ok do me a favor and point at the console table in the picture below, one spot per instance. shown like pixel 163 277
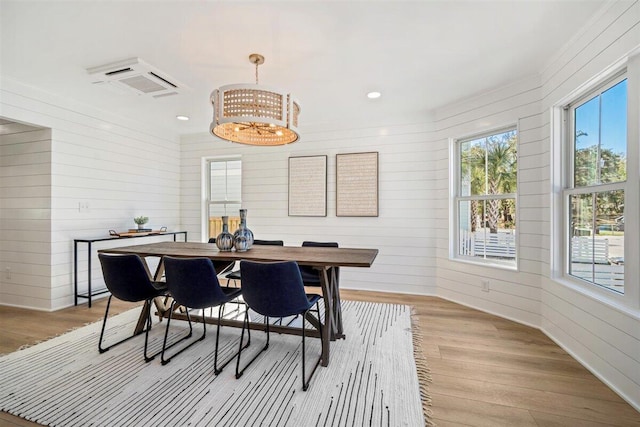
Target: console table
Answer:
pixel 90 293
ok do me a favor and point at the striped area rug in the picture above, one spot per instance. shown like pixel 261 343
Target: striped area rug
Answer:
pixel 371 379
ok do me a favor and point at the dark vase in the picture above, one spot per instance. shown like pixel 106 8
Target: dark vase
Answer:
pixel 244 232
pixel 224 240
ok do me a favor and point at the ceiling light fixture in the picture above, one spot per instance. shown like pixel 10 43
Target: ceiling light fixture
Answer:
pixel 374 95
pixel 183 118
pixel 253 114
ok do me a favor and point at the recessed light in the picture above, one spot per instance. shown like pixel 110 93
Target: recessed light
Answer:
pixel 373 95
pixel 183 118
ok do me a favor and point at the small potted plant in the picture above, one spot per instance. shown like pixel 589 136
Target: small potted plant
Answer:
pixel 141 221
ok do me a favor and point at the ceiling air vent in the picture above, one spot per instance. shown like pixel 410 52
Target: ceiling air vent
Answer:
pixel 137 76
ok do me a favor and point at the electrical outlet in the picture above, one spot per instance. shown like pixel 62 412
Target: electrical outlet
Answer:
pixel 83 206
pixel 485 285
pixel 7 273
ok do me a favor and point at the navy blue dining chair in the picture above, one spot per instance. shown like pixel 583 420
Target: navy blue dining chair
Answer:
pixel 310 275
pixel 235 275
pixel 127 278
pixel 276 290
pixel 193 284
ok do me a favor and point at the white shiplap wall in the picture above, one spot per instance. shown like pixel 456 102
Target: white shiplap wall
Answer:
pixel 514 294
pixel 605 339
pixel 25 217
pixel 103 171
pixel 403 232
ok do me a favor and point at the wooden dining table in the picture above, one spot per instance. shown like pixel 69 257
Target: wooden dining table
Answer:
pixel 321 258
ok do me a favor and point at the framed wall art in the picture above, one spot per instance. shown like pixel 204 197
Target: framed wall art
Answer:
pixel 357 184
pixel 308 186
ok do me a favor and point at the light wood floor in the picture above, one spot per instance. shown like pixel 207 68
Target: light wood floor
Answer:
pixel 486 371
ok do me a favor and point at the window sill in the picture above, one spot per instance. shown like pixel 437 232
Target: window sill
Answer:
pixel 607 297
pixel 490 263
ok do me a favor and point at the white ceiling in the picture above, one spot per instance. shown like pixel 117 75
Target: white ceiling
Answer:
pixel 421 55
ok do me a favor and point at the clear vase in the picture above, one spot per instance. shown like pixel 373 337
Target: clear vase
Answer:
pixel 243 232
pixel 224 240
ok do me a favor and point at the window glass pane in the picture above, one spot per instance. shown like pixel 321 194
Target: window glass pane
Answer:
pixel 501 163
pixel 479 236
pixel 613 150
pixel 224 209
pixel 609 265
pixel 600 138
pixel 218 173
pixel 586 136
pixel 467 223
pixel 597 238
pixel 488 165
pixel 226 180
pixel 234 180
pixel 472 170
pixel 581 218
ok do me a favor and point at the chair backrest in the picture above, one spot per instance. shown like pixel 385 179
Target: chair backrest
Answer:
pixel 320 244
pixel 273 289
pixel 193 282
pixel 310 274
pixel 126 277
pixel 268 242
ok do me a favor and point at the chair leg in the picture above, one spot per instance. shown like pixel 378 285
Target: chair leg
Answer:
pixel 166 334
pixel 246 323
pixel 102 349
pixel 148 358
pixel 215 360
pixel 306 381
pixel 104 324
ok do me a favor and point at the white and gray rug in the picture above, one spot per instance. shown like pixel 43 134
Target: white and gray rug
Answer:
pixel 371 379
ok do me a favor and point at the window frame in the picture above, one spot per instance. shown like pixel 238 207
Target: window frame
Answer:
pixel 455 181
pixel 568 182
pixel 207 202
pixel 629 302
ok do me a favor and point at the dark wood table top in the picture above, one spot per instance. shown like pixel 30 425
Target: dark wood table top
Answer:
pixel 307 255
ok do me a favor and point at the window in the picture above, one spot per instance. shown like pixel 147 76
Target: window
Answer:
pixel 224 193
pixel 595 185
pixel 485 198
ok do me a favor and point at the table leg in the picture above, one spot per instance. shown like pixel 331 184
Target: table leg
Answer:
pixel 160 302
pixel 89 273
pixel 159 271
pixel 328 302
pixel 332 329
pixel 75 272
pixel 337 307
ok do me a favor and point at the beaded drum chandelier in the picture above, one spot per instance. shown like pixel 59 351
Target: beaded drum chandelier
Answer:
pixel 253 114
